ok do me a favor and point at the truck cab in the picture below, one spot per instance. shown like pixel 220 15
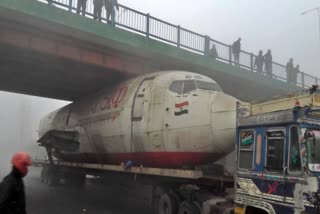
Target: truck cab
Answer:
pixel 277 160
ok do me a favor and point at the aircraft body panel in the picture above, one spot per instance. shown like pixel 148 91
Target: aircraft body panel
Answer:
pixel 164 119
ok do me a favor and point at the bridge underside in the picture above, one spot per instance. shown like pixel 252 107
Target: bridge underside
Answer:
pixel 64 56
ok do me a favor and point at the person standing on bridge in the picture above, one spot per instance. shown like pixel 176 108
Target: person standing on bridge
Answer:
pixel 289 70
pixel 82 4
pixel 108 7
pixel 12 193
pixel 236 49
pixel 268 63
pixel 97 4
pixel 213 52
pixel 259 62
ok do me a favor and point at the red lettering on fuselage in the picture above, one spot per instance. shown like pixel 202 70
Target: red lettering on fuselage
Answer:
pixel 110 101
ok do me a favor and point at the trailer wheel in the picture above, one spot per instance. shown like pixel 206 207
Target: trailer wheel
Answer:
pixel 167 204
pixel 189 208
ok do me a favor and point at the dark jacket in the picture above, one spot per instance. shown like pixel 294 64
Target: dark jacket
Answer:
pixel 12 194
pixel 236 47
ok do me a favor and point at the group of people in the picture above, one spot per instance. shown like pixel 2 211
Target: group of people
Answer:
pixel 97 8
pixel 263 62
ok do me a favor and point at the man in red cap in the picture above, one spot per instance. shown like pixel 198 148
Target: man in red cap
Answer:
pixel 12 194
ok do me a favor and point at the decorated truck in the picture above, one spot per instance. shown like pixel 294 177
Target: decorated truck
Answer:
pixel 278 155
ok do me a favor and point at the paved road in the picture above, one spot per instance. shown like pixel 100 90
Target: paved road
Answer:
pixel 95 198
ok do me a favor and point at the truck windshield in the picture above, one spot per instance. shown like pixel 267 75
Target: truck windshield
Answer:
pixel 312 140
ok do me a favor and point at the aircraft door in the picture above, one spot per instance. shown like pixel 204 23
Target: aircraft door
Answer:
pixel 139 115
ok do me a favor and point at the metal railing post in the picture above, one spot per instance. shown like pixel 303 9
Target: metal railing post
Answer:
pixel 70 5
pixel 251 62
pixel 302 80
pixel 147 25
pixel 206 45
pixel 230 54
pixel 178 36
pixel 113 14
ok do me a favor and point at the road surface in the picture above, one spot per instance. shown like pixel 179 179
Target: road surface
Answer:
pixel 95 198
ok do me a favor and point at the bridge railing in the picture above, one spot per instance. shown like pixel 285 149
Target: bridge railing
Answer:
pixel 152 27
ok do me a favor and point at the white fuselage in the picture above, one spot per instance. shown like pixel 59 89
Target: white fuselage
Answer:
pixel 164 119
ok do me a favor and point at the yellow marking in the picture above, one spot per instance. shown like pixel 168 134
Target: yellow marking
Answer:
pixel 238 210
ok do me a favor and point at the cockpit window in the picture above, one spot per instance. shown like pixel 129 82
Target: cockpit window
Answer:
pixel 189 86
pixel 176 87
pixel 211 86
pixel 186 86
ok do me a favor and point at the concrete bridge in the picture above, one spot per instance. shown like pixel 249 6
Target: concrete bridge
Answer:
pixel 50 51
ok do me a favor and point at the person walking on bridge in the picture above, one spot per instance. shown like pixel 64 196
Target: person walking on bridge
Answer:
pixel 236 49
pixel 259 62
pixel 108 7
pixel 268 63
pixel 12 193
pixel 97 4
pixel 82 4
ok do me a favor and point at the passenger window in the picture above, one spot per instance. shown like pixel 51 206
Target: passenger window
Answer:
pixel 246 149
pixel 275 149
pixel 295 158
pixel 189 86
pixel 176 87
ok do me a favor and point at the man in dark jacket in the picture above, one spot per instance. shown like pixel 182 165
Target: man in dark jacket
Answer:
pixel 97 4
pixel 289 70
pixel 259 62
pixel 82 4
pixel 108 7
pixel 213 51
pixel 268 63
pixel 12 194
pixel 236 49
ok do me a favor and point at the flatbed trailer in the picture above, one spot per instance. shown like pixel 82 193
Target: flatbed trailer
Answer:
pixel 202 190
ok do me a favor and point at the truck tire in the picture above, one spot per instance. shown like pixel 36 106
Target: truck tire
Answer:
pixel 187 207
pixel 167 204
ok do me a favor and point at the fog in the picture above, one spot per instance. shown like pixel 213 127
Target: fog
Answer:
pixel 19 120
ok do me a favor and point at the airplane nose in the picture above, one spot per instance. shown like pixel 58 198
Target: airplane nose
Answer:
pixel 223 121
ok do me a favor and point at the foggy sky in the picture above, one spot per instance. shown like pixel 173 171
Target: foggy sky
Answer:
pixel 19 120
pixel 273 24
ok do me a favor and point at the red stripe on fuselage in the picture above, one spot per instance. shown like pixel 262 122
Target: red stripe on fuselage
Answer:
pixel 179 105
pixel 148 159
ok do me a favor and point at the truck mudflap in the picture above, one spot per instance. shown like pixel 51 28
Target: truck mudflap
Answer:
pixel 218 205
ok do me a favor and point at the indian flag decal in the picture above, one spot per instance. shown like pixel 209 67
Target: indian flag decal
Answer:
pixel 180 108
